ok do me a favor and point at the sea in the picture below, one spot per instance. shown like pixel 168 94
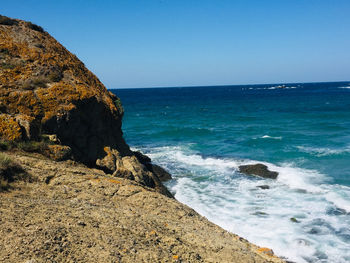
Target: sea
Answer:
pixel 301 130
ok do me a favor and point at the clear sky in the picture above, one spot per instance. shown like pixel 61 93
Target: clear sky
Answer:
pixel 152 43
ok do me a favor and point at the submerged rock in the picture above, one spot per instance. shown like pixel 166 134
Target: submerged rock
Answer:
pixel 294 220
pixel 264 187
pixel 260 214
pixel 258 170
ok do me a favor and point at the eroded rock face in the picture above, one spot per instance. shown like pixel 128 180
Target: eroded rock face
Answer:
pixel 45 89
pixel 258 170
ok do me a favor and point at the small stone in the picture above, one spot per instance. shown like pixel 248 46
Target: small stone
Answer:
pixel 81 223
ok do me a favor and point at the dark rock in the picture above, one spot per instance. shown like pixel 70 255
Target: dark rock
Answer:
pixel 144 159
pixel 29 125
pixel 81 223
pixel 87 129
pixel 260 214
pixel 162 174
pixel 264 187
pixel 258 170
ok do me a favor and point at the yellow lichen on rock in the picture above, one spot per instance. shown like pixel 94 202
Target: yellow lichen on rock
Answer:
pixel 266 251
pixel 9 128
pixel 40 76
pixel 59 152
pixel 41 79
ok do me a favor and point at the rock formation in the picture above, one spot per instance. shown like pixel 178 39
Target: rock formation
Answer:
pixel 45 89
pixel 258 170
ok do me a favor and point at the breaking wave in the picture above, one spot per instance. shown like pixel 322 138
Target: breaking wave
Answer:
pixel 300 216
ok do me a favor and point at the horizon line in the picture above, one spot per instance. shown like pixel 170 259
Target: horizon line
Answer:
pixel 231 85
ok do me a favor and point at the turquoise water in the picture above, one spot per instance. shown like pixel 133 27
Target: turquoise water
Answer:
pixel 202 135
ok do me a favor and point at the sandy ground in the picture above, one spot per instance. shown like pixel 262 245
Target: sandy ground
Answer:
pixel 76 214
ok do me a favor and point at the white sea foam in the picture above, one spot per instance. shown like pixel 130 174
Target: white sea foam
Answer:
pixel 271 137
pixel 340 198
pixel 348 87
pixel 279 87
pixel 214 188
pixel 271 88
pixel 323 151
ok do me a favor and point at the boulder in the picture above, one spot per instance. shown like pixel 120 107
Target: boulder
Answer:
pixel 129 167
pixel 109 162
pixel 258 170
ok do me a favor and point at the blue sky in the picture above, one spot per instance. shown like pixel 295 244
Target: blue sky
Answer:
pixel 159 43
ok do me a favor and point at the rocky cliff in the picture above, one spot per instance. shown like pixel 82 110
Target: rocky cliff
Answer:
pixel 46 90
pixel 104 203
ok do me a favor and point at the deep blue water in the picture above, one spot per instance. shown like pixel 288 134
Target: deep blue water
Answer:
pixel 202 134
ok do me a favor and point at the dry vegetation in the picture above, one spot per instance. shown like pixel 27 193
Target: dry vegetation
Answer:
pixel 10 172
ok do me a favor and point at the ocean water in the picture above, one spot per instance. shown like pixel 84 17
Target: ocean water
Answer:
pixel 202 134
